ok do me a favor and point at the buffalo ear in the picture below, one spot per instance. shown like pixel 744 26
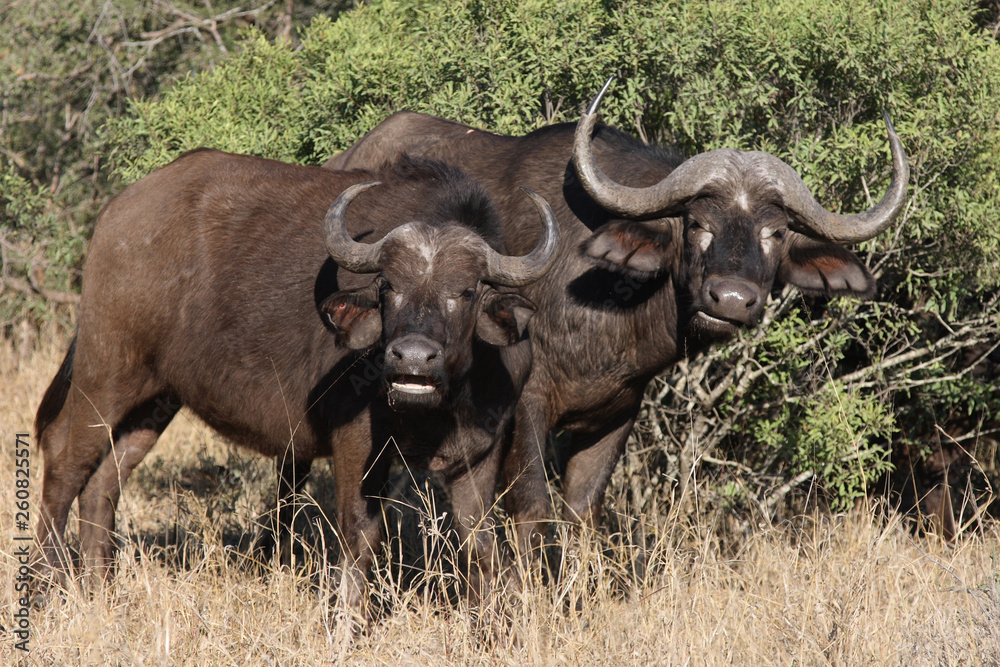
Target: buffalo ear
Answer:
pixel 630 247
pixel 824 269
pixel 355 318
pixel 503 317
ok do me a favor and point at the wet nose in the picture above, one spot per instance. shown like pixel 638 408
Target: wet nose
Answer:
pixel 733 298
pixel 414 351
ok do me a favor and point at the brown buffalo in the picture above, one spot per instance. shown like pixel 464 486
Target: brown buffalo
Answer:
pixel 214 283
pixel 659 257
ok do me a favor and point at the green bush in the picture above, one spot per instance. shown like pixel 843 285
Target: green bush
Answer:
pixel 806 80
pixel 835 435
pixel 802 79
pixel 66 67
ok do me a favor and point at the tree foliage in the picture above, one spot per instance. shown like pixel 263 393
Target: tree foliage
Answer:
pixel 826 387
pixel 66 68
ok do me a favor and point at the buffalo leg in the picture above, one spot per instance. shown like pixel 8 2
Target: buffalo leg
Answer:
pixel 292 476
pixel 360 481
pixel 131 441
pixel 527 489
pixel 588 472
pixel 472 497
pixel 75 446
pixel 71 450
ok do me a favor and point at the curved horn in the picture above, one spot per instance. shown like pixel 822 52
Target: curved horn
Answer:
pixel 814 220
pixel 617 198
pixel 693 174
pixel 348 253
pixel 517 271
pixel 683 183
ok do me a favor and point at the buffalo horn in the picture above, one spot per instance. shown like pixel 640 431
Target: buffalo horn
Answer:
pixel 348 253
pixel 815 220
pixel 688 180
pixel 516 271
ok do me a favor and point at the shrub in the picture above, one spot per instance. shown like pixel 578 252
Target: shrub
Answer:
pixel 803 79
pixel 65 69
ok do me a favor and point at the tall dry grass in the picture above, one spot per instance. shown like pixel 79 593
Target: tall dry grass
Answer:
pixel 857 589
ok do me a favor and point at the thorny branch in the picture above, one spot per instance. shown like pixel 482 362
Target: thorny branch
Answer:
pixel 693 408
pixel 183 23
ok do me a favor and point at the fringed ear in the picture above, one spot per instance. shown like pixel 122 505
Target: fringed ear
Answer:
pixel 355 317
pixel 630 247
pixel 824 269
pixel 503 317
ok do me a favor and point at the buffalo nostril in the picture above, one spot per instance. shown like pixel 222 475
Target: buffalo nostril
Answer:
pixel 731 298
pixel 415 349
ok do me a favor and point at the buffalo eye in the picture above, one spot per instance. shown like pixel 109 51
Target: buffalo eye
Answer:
pixel 453 302
pixel 770 238
pixel 699 235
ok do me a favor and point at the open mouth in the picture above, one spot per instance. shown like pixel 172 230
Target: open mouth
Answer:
pixel 710 327
pixel 413 384
pixel 717 321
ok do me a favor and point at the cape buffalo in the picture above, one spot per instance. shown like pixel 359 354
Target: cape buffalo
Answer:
pixel 212 283
pixel 658 258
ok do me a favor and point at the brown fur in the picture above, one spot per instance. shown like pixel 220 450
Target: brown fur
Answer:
pixel 208 285
pixel 624 300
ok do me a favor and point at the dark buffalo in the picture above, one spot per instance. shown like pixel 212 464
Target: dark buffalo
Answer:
pixel 659 257
pixel 210 284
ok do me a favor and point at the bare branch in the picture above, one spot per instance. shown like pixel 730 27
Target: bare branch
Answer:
pixel 49 295
pixel 775 497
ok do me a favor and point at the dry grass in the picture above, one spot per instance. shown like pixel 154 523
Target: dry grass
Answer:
pixel 846 590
